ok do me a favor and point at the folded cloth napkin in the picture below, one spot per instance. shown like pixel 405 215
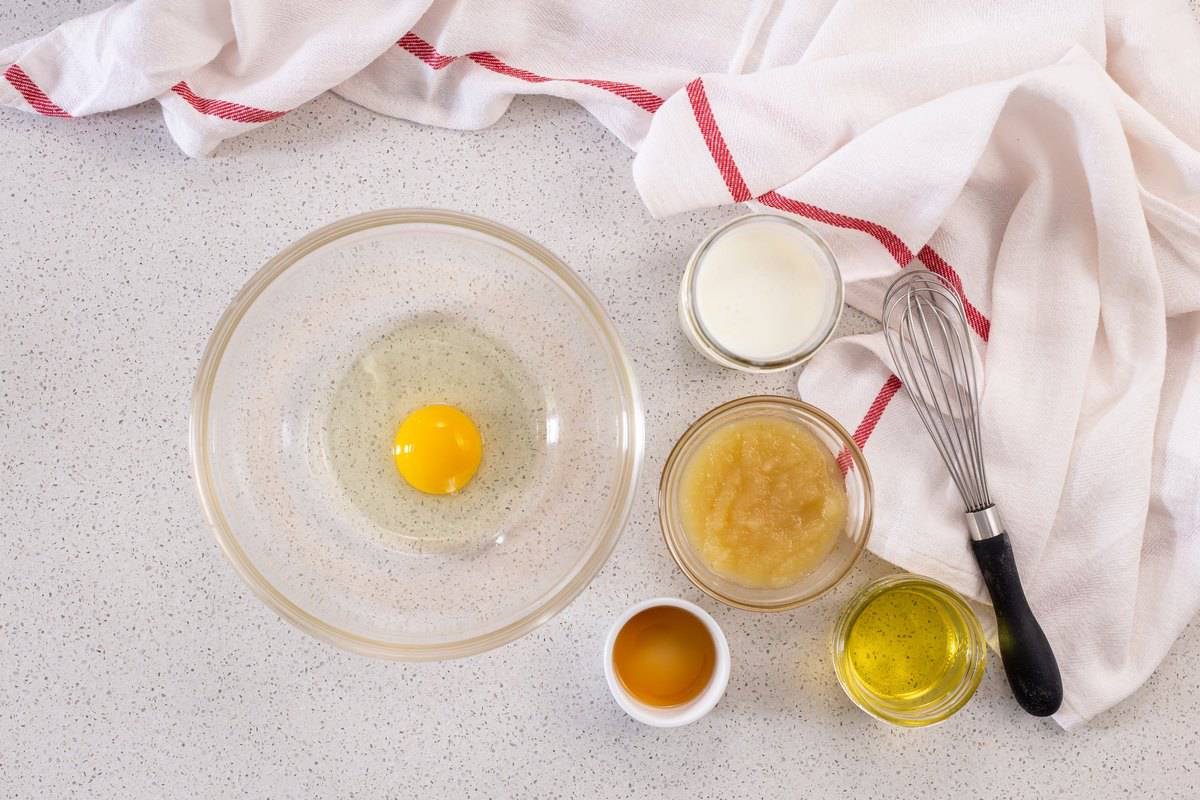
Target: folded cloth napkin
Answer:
pixel 1040 156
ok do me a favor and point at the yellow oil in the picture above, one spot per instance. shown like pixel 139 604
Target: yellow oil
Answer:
pixel 911 651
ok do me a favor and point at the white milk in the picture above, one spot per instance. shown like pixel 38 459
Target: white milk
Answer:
pixel 765 290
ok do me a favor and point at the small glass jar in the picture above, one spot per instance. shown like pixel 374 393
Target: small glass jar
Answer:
pixel 692 321
pixel 957 669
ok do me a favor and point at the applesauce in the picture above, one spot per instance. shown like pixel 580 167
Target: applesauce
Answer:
pixel 762 501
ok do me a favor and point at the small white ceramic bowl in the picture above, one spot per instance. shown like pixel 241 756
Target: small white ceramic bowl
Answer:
pixel 674 716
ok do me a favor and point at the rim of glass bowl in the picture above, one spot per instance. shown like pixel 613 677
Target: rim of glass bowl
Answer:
pixel 952 703
pixel 554 600
pixel 672 529
pixel 709 346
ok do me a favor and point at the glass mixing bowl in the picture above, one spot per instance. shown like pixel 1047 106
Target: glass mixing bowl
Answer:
pixel 846 549
pixel 322 355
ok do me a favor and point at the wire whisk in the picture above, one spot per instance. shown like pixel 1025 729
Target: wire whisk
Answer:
pixel 927 335
pixel 930 344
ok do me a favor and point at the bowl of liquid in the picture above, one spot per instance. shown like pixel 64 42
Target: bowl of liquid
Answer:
pixel 666 662
pixel 908 650
pixel 761 293
pixel 416 434
pixel 765 503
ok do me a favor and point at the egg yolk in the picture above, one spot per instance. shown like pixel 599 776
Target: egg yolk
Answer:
pixel 438 449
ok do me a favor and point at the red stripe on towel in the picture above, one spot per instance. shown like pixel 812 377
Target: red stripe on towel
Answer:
pixel 895 246
pixel 865 428
pixel 716 142
pixel 33 94
pixel 224 109
pixel 740 192
pixel 416 46
pixel 890 241
pixel 937 265
pixel 425 51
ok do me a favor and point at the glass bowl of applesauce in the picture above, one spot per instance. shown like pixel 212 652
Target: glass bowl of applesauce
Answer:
pixel 765 503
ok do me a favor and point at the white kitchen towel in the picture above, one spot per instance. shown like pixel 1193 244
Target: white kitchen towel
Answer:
pixel 1041 156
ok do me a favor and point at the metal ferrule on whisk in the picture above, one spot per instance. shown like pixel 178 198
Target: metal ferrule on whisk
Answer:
pixel 984 523
pixel 930 343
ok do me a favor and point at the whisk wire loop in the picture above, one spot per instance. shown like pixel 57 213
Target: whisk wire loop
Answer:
pixel 928 336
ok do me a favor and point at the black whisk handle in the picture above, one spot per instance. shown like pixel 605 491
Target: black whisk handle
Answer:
pixel 1028 660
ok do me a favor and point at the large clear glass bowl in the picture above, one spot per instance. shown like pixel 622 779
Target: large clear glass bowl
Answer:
pixel 317 361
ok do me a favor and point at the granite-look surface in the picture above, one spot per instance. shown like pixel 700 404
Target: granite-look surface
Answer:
pixel 133 661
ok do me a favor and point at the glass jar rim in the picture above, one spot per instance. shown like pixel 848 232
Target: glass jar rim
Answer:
pixel 709 345
pixel 977 643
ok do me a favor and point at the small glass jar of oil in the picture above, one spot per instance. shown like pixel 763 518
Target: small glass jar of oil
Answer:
pixel 908 650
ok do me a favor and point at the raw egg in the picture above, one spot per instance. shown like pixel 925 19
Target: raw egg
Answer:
pixel 438 449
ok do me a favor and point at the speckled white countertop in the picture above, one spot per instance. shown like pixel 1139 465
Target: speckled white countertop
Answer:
pixel 133 661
